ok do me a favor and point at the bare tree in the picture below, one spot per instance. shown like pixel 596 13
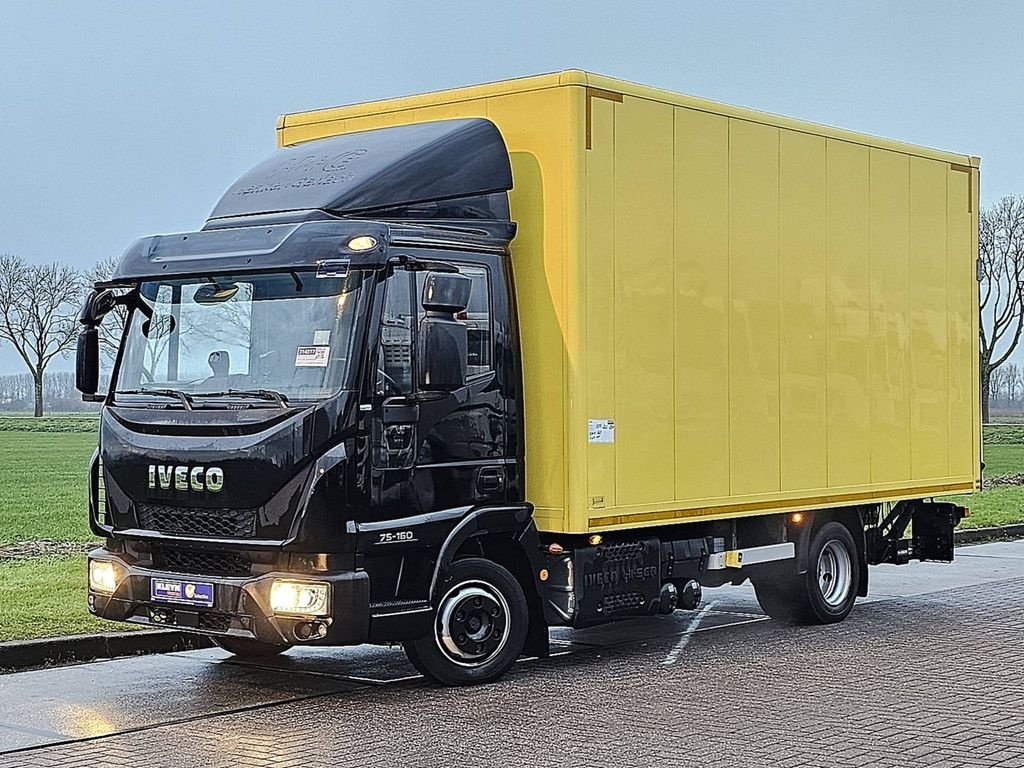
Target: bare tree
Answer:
pixel 15 391
pixel 1014 382
pixel 1001 269
pixel 998 385
pixel 112 327
pixel 38 307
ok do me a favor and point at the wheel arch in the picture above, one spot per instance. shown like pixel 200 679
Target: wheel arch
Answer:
pixel 853 519
pixel 507 536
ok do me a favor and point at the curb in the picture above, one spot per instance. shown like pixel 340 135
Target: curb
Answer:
pixel 995 533
pixel 22 654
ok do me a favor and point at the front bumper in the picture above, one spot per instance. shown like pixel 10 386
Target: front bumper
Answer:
pixel 241 605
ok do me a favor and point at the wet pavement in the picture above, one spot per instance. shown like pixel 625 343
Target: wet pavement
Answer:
pixel 926 671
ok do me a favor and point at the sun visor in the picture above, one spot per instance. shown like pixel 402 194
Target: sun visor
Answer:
pixel 387 168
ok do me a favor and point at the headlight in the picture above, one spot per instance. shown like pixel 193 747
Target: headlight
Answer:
pixel 305 598
pixel 102 576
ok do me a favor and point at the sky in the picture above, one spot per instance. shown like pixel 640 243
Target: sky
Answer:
pixel 119 120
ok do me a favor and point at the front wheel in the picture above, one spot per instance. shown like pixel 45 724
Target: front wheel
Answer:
pixel 823 595
pixel 479 627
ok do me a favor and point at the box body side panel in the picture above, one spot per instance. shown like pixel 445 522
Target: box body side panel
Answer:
pixel 701 292
pixel 793 328
pixel 803 313
pixel 772 319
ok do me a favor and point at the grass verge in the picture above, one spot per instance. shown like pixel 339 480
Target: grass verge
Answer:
pixel 71 423
pixel 46 597
pixel 43 485
pixel 996 506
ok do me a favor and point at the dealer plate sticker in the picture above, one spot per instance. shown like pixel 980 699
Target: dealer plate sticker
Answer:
pixel 316 356
pixel 183 592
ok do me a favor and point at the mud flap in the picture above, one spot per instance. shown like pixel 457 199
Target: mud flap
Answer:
pixel 932 531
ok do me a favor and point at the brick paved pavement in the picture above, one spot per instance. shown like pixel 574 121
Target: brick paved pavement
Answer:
pixel 929 680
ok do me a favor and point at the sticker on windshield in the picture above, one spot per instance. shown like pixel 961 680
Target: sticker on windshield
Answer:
pixel 312 357
pixel 321 337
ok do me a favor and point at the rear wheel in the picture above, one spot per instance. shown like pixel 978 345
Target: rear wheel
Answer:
pixel 245 648
pixel 823 595
pixel 479 627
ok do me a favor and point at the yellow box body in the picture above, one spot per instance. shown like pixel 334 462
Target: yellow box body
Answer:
pixel 777 315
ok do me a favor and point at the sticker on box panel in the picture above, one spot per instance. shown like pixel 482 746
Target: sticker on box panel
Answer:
pixel 321 338
pixel 601 430
pixel 312 357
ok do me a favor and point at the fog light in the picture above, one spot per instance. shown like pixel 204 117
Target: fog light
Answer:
pixel 102 576
pixel 305 598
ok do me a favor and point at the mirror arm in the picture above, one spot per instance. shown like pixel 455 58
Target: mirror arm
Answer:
pixel 411 263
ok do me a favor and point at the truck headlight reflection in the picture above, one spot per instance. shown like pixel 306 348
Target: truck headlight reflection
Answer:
pixel 304 598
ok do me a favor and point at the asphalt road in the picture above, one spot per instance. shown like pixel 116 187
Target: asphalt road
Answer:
pixel 927 671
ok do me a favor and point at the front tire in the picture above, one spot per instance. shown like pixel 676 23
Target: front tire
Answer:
pixel 246 648
pixel 479 627
pixel 823 595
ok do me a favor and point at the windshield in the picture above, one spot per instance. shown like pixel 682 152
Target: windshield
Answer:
pixel 288 334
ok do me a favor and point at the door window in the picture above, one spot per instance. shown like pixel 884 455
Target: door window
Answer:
pixel 477 318
pixel 394 364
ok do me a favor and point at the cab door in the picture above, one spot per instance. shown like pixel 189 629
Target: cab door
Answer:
pixel 432 448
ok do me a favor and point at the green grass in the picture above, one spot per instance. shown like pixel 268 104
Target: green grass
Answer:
pixel 45 597
pixel 86 423
pixel 1003 434
pixel 1004 459
pixel 43 485
pixel 995 506
pixel 1002 504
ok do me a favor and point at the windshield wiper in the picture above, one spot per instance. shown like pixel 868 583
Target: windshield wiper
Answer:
pixel 173 393
pixel 263 394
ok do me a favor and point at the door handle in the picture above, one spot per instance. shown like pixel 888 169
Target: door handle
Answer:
pixel 490 480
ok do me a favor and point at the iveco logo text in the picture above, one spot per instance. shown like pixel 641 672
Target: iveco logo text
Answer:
pixel 186 478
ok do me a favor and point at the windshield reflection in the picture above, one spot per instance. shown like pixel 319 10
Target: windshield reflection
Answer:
pixel 270 338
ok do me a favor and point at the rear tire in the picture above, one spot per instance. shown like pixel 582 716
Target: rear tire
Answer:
pixel 245 648
pixel 823 595
pixel 479 627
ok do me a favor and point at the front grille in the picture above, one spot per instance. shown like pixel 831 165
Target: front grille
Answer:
pixel 201 561
pixel 222 522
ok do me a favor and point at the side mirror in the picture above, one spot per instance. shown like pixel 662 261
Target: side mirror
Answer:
pixel 446 292
pixel 87 361
pixel 443 340
pixel 97 305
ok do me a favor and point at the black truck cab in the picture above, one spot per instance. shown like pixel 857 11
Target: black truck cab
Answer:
pixel 316 401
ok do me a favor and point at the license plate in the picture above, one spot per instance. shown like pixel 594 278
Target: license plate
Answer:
pixel 182 592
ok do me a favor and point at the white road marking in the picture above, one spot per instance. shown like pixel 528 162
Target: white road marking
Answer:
pixel 684 641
